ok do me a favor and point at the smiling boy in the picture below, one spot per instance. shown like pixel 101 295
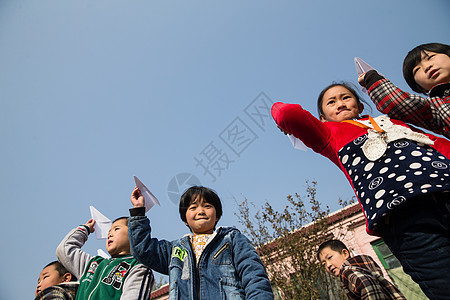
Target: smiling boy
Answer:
pixel 360 275
pixel 119 277
pixel 210 263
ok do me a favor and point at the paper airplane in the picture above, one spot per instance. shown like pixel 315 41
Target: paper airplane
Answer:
pixel 150 199
pixel 103 254
pixel 363 67
pixel 298 144
pixel 102 223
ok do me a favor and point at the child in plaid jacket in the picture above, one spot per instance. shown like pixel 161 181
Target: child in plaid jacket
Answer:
pixel 426 69
pixel 360 275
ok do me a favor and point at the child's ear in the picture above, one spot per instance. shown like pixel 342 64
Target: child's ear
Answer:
pixel 361 107
pixel 67 277
pixel 322 118
pixel 345 253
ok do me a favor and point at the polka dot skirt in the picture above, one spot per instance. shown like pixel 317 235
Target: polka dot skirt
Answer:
pixel 407 169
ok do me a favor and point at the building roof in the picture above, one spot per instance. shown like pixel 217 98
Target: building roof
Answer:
pixel 163 290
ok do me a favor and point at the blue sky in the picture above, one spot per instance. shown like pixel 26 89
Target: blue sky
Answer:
pixel 94 92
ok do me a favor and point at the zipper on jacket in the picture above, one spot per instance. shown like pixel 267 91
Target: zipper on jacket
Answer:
pixel 98 283
pixel 224 247
pixel 195 273
pixel 197 264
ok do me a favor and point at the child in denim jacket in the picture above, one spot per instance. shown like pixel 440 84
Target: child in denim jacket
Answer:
pixel 210 263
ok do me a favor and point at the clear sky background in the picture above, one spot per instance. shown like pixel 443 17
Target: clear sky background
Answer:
pixel 94 92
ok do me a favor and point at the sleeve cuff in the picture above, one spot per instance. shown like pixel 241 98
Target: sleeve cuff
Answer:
pixel 371 77
pixel 85 227
pixel 137 211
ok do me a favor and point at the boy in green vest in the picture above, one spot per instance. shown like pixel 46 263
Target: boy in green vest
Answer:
pixel 118 277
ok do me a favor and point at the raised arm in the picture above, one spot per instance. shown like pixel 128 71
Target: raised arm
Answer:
pixel 398 104
pixel 69 251
pixel 293 119
pixel 147 250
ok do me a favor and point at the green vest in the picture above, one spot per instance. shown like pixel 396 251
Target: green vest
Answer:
pixel 103 278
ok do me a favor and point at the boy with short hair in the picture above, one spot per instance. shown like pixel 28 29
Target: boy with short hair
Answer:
pixel 55 282
pixel 211 263
pixel 119 277
pixel 360 275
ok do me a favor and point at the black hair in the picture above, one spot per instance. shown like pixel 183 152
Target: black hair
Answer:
pixel 414 57
pixel 61 269
pixel 350 87
pixel 199 192
pixel 335 245
pixel 121 218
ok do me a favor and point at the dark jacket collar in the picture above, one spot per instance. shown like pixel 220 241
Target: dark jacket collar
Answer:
pixel 440 90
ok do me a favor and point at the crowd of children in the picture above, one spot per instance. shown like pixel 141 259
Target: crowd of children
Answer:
pixel 210 263
pixel 400 174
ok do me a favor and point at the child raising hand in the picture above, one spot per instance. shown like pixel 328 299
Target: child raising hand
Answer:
pixel 426 69
pixel 399 174
pixel 210 263
pixel 119 277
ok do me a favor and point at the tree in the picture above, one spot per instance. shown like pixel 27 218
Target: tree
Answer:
pixel 158 284
pixel 287 242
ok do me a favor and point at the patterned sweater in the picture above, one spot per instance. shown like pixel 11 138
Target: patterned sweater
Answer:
pixel 432 113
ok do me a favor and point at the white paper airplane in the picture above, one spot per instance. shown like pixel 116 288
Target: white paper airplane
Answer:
pixel 103 254
pixel 297 143
pixel 102 223
pixel 363 67
pixel 150 199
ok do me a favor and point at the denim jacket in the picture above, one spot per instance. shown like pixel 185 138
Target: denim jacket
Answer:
pixel 229 267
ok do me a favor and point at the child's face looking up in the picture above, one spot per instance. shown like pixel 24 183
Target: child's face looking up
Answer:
pixel 433 69
pixel 339 104
pixel 117 242
pixel 201 217
pixel 49 277
pixel 332 260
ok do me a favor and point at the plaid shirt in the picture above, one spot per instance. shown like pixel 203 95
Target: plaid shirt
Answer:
pixel 362 279
pixel 63 291
pixel 431 113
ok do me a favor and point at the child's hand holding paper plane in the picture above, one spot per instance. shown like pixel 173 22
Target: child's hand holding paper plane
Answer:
pixel 298 144
pixel 361 68
pixel 102 223
pixel 150 199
